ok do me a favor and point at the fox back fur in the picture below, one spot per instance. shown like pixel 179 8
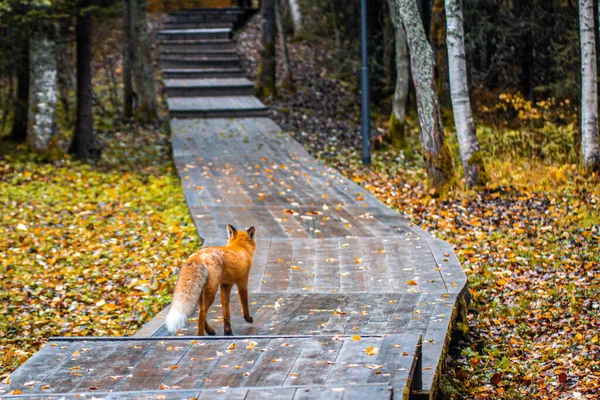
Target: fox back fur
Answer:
pixel 203 274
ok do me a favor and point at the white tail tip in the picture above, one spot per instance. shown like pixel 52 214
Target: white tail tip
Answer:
pixel 175 320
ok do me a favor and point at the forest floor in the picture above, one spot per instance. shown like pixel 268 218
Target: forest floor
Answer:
pixel 528 240
pixel 90 249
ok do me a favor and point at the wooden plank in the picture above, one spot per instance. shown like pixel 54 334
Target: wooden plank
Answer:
pixel 276 362
pixel 151 371
pixel 314 362
pixel 46 361
pixel 234 365
pixel 195 364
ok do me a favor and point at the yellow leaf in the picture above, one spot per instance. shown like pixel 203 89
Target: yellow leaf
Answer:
pixel 579 336
pixel 595 339
pixel 371 351
pixel 412 282
pixel 356 337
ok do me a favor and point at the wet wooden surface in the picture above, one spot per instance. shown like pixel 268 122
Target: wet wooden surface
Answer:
pixel 282 365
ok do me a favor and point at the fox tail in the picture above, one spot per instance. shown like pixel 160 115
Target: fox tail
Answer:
pixel 188 289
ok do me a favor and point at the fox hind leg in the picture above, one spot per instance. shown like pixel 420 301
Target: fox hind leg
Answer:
pixel 243 295
pixel 208 297
pixel 225 295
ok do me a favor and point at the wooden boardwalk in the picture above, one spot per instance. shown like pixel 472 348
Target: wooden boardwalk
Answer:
pixel 350 300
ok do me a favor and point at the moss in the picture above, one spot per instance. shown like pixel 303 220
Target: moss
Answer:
pixel 477 160
pixel 397 133
pixel 441 170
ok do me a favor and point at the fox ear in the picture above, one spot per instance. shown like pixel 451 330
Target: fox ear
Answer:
pixel 251 232
pixel 231 231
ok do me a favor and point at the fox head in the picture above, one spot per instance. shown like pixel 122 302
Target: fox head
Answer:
pixel 241 238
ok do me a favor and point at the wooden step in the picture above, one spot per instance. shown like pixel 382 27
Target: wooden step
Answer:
pixel 178 73
pixel 194 34
pixel 195 53
pixel 316 363
pixel 213 11
pixel 178 62
pixel 208 87
pixel 216 107
pixel 198 25
pixel 197 45
pixel 186 18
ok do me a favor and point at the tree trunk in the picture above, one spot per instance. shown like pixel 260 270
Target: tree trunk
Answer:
pixel 396 132
pixel 435 151
pixel 127 47
pixel 142 66
pixel 65 80
pixel 589 88
pixel 41 113
pixel 296 16
pixel 437 38
pixel 84 143
pixel 461 104
pixel 388 49
pixel 265 82
pixel 18 133
pixel 288 79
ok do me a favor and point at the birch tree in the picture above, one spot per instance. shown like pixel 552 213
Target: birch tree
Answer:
pixel 589 81
pixel 43 67
pixel 435 151
pixel 296 16
pixel 397 119
pixel 472 161
pixel 266 79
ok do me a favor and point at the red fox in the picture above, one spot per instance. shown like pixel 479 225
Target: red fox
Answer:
pixel 201 276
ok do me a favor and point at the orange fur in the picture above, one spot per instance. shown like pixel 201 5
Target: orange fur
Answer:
pixel 203 274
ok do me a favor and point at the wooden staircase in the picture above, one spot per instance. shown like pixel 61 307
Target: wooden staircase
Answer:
pixel 202 72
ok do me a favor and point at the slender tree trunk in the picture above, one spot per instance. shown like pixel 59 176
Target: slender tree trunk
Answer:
pixel 142 66
pixel 435 151
pixel 266 78
pixel 589 88
pixel 41 113
pixel 84 143
pixel 288 79
pixel 397 119
pixel 65 71
pixel 388 48
pixel 461 104
pixel 296 16
pixel 127 46
pixel 437 38
pixel 18 133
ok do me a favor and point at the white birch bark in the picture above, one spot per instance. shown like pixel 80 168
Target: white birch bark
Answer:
pixel 589 88
pixel 459 90
pixel 402 65
pixel 435 152
pixel 43 77
pixel 296 16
